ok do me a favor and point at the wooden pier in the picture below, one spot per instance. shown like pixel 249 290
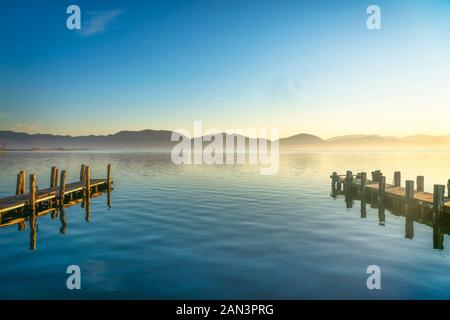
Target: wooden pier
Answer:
pixel 27 207
pixel 413 203
pixel 410 196
pixel 55 195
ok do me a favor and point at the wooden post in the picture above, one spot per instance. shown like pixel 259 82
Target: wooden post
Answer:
pixel 409 190
pixel 376 175
pixel 397 179
pixel 62 187
pixel 87 181
pixel 20 188
pixel 33 193
pixel 349 180
pixel 363 181
pixel 82 172
pixel 54 177
pixel 18 184
pixel 420 183
pixel 109 175
pixel 363 194
pixel 438 200
pixel 381 188
pixel 409 195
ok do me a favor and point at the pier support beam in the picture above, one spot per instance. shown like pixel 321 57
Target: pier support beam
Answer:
pixel 33 195
pixel 109 175
pixel 363 194
pixel 420 183
pixel 348 181
pixel 54 177
pixel 438 200
pixel 363 181
pixel 397 179
pixel 20 188
pixel 62 187
pixel 87 181
pixel 376 175
pixel 82 172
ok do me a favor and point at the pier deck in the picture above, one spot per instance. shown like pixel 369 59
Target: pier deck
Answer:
pixel 37 199
pixel 23 200
pixel 402 195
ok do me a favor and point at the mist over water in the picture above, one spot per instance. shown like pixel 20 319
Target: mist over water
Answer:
pixel 225 231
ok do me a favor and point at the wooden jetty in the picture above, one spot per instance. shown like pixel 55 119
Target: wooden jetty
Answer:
pixel 23 207
pixel 414 198
pixel 416 206
pixel 55 195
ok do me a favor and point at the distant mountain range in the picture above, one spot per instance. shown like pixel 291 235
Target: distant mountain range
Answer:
pixel 160 140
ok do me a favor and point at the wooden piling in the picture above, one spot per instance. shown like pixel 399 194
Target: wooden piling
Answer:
pixel 87 178
pixel 33 193
pixel 82 172
pixel 376 175
pixel 348 180
pixel 54 177
pixel 409 191
pixel 20 187
pixel 397 179
pixel 22 190
pixel 420 183
pixel 438 200
pixel 109 175
pixel 62 187
pixel 363 181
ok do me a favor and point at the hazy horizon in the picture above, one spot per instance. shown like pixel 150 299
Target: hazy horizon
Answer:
pixel 331 138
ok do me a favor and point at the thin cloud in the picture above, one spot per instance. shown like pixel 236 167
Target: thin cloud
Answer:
pixel 25 127
pixel 99 22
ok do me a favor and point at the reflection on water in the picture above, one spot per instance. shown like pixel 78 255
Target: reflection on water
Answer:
pixel 21 216
pixel 226 232
pixel 439 226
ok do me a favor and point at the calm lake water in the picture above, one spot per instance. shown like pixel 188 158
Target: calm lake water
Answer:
pixel 223 231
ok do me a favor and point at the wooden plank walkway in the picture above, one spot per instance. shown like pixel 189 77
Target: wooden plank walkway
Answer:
pixel 54 195
pixel 23 200
pixel 396 192
pixel 400 192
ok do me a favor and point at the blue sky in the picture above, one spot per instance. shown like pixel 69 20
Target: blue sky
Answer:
pixel 299 66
